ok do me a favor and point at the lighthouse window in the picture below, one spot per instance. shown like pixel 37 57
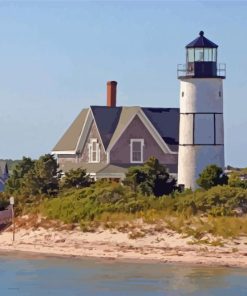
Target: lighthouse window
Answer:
pixel 208 54
pixel 219 93
pixel 182 94
pixel 214 55
pixel 198 54
pixel 190 54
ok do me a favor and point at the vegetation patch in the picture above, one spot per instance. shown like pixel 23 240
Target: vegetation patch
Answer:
pixel 136 234
pixel 148 195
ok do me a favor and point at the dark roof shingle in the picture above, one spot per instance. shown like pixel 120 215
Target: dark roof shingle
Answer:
pixel 106 119
pixel 166 122
pixel 201 41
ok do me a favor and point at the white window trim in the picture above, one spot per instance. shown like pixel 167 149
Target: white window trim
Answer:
pixel 90 151
pixel 131 150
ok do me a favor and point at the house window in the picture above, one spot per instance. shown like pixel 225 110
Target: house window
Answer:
pixel 136 150
pixel 94 151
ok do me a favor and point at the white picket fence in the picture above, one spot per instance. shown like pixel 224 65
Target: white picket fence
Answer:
pixel 6 216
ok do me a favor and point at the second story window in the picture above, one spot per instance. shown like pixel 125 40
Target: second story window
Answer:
pixel 136 150
pixel 94 151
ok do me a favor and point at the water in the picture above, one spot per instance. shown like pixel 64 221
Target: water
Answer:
pixel 60 276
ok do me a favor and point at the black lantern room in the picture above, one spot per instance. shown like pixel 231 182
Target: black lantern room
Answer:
pixel 201 60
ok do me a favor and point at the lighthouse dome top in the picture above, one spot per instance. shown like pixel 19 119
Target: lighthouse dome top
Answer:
pixel 201 41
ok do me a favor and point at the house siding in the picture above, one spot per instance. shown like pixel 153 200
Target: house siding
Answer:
pixel 120 153
pixel 84 156
pixel 93 134
pixel 64 158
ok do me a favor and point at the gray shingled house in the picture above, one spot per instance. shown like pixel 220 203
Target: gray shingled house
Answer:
pixel 106 140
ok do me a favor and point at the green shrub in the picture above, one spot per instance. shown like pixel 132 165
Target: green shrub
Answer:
pixel 217 201
pixel 212 176
pixel 89 203
pixel 237 178
pixel 77 178
pixel 152 178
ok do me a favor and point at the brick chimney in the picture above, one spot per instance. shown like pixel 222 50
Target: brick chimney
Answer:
pixel 111 93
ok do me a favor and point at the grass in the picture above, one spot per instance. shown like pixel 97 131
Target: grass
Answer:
pixel 89 226
pixel 201 215
pixel 206 241
pixel 210 231
pixel 198 228
pixel 87 210
pixel 136 234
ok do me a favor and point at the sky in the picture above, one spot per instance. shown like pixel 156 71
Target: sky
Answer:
pixel 56 57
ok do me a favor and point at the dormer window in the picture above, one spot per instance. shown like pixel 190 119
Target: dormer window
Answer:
pixel 136 150
pixel 94 151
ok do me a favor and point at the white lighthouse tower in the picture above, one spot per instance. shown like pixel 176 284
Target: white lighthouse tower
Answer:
pixel 201 131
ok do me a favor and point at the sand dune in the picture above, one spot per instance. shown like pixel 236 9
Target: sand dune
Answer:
pixel 162 246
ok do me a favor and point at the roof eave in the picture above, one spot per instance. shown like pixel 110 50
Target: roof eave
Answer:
pixel 57 152
pixel 201 42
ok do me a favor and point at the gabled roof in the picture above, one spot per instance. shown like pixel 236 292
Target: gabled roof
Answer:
pixel 106 120
pixel 201 41
pixel 126 116
pixel 112 121
pixel 69 140
pixel 166 122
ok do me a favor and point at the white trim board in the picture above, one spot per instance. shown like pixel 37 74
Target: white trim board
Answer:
pixel 131 150
pixel 84 131
pixel 71 152
pixel 91 150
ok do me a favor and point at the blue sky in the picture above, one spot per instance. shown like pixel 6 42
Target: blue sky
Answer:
pixel 55 59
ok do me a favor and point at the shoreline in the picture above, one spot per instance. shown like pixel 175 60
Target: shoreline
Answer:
pixel 24 254
pixel 111 245
pixel 40 256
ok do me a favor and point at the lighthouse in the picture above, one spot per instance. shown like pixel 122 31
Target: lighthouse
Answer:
pixel 201 127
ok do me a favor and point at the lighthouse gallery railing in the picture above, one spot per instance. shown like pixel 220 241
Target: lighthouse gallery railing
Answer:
pixel 183 70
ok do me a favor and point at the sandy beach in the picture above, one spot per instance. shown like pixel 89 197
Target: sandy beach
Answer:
pixel 155 245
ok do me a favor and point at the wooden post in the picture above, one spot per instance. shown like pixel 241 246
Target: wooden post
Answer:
pixel 12 202
pixel 13 222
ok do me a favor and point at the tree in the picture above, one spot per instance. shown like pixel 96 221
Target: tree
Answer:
pixel 211 176
pixel 15 181
pixel 32 177
pixel 76 178
pixel 43 178
pixel 151 178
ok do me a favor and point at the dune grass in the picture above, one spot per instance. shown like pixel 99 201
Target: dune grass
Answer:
pixel 199 215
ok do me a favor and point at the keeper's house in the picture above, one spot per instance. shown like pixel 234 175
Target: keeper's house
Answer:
pixel 106 140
